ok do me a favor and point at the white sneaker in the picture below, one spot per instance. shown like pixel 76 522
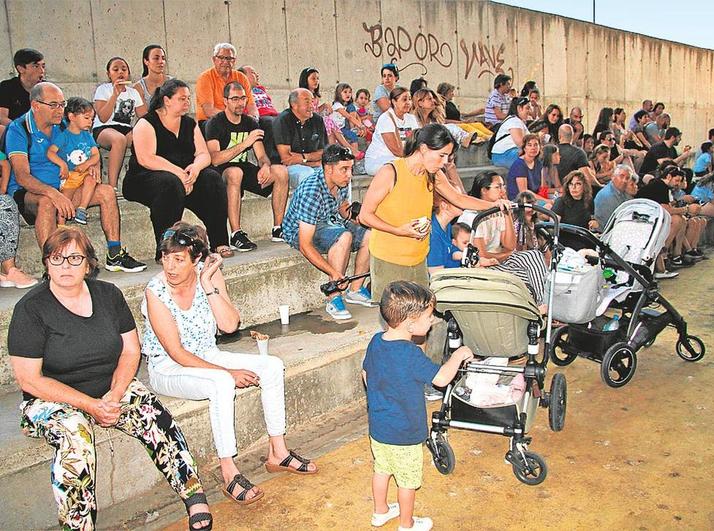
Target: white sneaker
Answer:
pixel 336 309
pixel 378 520
pixel 422 523
pixel 666 274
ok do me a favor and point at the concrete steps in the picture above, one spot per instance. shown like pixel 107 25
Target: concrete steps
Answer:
pixel 323 361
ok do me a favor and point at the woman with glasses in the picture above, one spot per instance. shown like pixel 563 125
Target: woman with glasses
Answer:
pixel 170 170
pixel 393 128
pixel 74 349
pixel 509 136
pixel 184 306
pixel 576 207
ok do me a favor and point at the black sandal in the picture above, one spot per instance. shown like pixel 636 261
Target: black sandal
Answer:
pixel 240 479
pixel 194 519
pixel 284 465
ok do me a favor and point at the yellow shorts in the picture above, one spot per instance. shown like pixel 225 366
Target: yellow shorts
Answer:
pixel 405 463
pixel 74 180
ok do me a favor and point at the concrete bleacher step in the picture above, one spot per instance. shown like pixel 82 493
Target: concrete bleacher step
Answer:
pixel 322 359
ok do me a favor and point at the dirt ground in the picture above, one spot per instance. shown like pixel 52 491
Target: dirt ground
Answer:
pixel 638 457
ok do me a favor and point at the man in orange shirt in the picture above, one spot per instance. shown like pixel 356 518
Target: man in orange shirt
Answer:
pixel 210 84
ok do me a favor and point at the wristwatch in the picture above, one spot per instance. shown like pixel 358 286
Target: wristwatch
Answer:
pixel 304 159
pixel 214 292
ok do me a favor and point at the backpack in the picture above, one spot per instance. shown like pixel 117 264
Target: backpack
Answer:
pixel 492 141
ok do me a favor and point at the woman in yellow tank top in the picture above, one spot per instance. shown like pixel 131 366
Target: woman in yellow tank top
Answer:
pixel 398 204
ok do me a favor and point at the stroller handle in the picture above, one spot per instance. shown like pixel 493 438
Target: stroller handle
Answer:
pixel 517 207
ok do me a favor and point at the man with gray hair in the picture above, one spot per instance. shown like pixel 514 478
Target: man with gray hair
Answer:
pixel 613 194
pixel 300 137
pixel 35 180
pixel 210 84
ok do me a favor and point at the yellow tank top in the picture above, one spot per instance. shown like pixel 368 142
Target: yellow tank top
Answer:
pixel 410 199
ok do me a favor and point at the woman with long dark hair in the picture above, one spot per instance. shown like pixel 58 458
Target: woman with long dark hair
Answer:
pixel 509 135
pixel 154 74
pixel 398 207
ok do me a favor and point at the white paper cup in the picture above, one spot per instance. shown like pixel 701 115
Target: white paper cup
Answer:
pixel 263 346
pixel 284 314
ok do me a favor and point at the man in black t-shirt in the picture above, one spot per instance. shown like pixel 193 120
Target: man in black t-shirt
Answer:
pixel 300 137
pixel 15 92
pixel 231 136
pixel 571 157
pixel 658 190
pixel 665 150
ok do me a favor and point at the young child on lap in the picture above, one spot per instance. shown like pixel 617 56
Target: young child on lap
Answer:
pixel 395 371
pixel 75 152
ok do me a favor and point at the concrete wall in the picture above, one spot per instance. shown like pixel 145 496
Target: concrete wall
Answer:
pixel 463 42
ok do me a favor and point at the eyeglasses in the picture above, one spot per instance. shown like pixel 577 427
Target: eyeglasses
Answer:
pixel 180 237
pixel 236 99
pixel 226 58
pixel 73 259
pixel 575 184
pixel 609 139
pixel 332 155
pixel 54 105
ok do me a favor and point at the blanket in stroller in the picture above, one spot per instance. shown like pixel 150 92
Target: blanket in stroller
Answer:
pixel 491 390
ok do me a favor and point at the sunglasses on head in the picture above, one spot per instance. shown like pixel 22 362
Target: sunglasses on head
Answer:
pixel 181 237
pixel 340 154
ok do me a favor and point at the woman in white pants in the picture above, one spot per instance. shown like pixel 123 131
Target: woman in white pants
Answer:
pixel 184 306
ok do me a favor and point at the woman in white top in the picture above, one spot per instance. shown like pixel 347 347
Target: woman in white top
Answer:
pixel 509 137
pixel 153 76
pixel 117 105
pixel 184 306
pixel 393 127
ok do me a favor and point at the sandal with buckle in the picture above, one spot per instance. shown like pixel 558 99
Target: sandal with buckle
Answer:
pixel 284 465
pixel 194 519
pixel 240 499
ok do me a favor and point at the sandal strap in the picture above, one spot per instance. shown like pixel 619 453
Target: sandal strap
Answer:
pixel 240 479
pixel 200 517
pixel 198 497
pixel 293 455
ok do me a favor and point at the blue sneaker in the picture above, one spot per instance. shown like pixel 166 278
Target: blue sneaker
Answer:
pixel 336 308
pixel 361 296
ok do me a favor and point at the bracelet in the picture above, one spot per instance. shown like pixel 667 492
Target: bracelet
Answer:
pixel 214 292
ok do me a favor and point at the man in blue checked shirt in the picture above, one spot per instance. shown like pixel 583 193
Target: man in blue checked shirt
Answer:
pixel 318 223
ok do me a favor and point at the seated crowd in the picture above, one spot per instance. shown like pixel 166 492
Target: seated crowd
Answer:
pixel 415 219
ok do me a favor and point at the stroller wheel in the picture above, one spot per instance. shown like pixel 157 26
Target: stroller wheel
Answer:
pixel 558 402
pixel 531 472
pixel 618 365
pixel 558 345
pixel 443 455
pixel 690 348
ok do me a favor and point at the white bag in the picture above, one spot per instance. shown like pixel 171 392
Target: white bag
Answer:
pixel 576 295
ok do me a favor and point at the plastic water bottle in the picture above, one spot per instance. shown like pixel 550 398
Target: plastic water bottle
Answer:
pixel 612 325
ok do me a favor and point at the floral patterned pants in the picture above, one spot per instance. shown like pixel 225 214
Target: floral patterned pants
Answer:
pixel 70 432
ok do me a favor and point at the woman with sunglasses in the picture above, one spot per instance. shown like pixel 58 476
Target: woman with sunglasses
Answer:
pixel 74 349
pixel 184 306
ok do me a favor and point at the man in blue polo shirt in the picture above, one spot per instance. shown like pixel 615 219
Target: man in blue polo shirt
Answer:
pixel 613 194
pixel 317 223
pixel 35 180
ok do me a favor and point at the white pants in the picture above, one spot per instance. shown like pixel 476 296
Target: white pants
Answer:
pixel 169 378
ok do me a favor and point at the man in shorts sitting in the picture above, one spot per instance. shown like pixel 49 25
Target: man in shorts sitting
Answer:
pixel 231 135
pixel 318 222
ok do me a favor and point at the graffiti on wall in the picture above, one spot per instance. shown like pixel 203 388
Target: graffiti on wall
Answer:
pixel 398 44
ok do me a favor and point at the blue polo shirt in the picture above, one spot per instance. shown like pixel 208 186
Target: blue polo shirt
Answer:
pixel 312 203
pixel 16 143
pixel 440 246
pixel 606 201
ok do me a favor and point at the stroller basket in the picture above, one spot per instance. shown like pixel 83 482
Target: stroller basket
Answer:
pixel 492 308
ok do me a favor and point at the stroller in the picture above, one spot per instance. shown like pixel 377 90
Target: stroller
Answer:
pixel 494 314
pixel 623 267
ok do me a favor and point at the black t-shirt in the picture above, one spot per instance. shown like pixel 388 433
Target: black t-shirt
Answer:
pixel 179 150
pixel 302 138
pixel 660 150
pixel 576 213
pixel 571 159
pixel 229 134
pixel 452 111
pixel 656 190
pixel 14 97
pixel 81 352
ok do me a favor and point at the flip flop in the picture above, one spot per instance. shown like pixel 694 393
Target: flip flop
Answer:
pixel 225 252
pixel 284 465
pixel 240 499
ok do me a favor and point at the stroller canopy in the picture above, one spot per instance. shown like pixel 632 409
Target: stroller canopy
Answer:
pixel 492 308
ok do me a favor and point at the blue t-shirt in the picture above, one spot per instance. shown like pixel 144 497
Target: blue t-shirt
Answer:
pixel 702 163
pixel 74 149
pixel 606 201
pixel 396 374
pixel 703 193
pixel 440 246
pixel 520 169
pixel 40 166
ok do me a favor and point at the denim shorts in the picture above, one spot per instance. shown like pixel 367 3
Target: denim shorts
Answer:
pixel 327 234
